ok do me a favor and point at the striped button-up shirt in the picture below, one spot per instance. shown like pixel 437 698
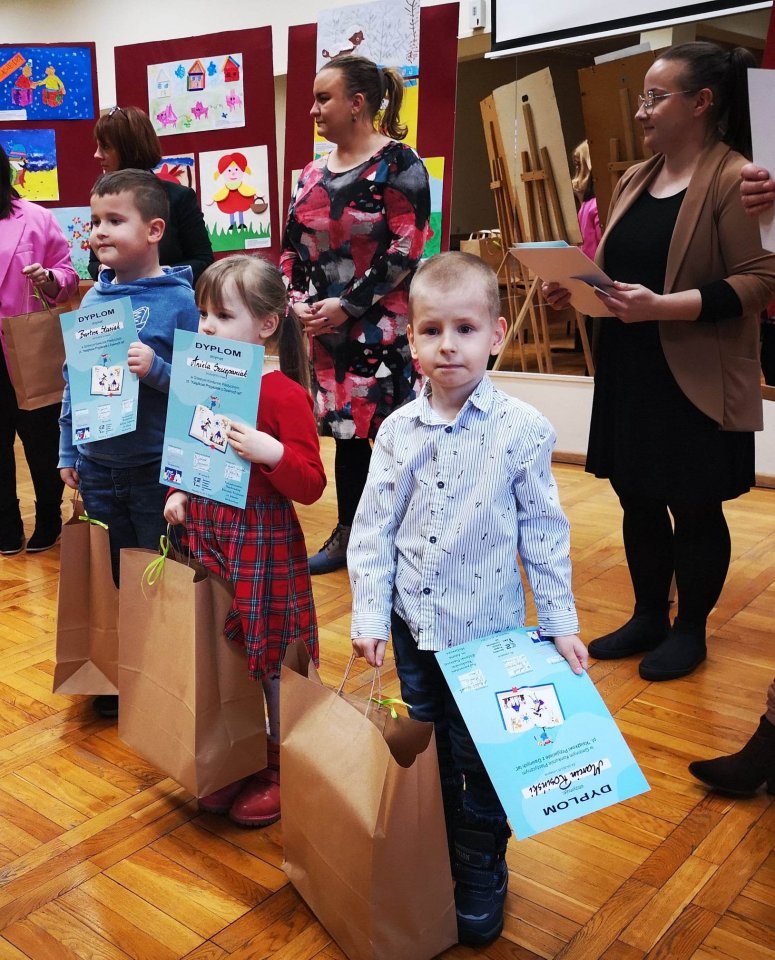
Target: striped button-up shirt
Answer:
pixel 447 509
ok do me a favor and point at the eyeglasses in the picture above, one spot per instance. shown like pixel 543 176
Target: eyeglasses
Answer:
pixel 115 109
pixel 651 99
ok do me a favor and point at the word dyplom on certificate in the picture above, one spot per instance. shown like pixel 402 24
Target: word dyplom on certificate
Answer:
pixel 214 382
pixel 547 740
pixel 103 393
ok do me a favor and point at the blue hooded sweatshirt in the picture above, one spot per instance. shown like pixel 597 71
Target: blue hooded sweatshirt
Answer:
pixel 160 306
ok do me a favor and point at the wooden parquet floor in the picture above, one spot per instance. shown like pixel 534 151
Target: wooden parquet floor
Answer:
pixel 102 858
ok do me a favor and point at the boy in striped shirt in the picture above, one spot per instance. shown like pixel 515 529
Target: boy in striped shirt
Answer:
pixel 460 486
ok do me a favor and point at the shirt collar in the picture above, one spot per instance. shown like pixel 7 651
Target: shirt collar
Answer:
pixel 481 398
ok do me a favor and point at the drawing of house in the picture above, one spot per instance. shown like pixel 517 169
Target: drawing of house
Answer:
pixel 162 84
pixel 196 76
pixel 231 69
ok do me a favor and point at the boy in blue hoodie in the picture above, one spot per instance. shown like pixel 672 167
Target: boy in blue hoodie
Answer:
pixel 119 477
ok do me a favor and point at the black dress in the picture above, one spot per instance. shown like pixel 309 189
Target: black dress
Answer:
pixel 645 435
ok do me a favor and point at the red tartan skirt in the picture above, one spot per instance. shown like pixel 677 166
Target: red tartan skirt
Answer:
pixel 261 551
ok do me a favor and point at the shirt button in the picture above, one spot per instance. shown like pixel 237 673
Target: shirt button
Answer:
pixel 447 429
pixel 440 484
pixel 432 539
pixel 426 590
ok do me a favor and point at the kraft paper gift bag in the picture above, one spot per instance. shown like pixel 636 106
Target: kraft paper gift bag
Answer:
pixel 487 245
pixel 363 823
pixel 188 704
pixel 87 610
pixel 36 352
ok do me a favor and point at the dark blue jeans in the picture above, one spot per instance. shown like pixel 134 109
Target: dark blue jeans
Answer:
pixel 130 500
pixel 465 784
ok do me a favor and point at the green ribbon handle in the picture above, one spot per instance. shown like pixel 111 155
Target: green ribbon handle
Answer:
pixel 88 519
pixel 155 569
pixel 390 703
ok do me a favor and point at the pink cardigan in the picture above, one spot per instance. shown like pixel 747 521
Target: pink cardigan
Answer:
pixel 31 235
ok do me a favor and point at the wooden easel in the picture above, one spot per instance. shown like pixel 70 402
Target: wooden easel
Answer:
pixel 520 290
pixel 546 220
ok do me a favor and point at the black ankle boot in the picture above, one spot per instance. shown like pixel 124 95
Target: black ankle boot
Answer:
pixel 742 773
pixel 481 880
pixel 682 651
pixel 645 630
pixel 48 527
pixel 11 529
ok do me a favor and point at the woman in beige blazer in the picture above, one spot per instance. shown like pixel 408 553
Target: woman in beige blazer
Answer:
pixel 677 393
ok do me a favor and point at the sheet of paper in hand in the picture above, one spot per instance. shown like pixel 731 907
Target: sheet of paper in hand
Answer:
pixel 550 746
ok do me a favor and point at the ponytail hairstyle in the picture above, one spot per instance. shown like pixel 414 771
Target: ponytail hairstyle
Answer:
pixel 725 73
pixel 260 286
pixel 382 89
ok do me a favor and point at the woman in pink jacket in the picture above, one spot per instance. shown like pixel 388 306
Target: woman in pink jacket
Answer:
pixel 33 253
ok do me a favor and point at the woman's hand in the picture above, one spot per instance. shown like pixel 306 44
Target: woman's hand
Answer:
pixel 70 478
pixel 634 303
pixel 757 190
pixel 255 445
pixel 557 297
pixel 175 507
pixel 39 276
pixel 140 358
pixel 325 316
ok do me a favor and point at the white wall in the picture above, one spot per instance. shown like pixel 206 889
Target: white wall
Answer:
pixel 119 22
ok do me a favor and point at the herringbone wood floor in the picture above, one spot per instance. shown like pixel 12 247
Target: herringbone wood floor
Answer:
pixel 102 858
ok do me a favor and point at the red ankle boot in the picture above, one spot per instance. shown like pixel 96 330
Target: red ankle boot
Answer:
pixel 258 803
pixel 220 801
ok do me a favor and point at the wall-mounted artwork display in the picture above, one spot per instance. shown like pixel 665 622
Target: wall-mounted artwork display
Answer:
pixel 178 169
pixel 435 168
pixel 75 223
pixel 33 157
pixel 387 32
pixel 206 93
pixel 46 83
pixel 235 198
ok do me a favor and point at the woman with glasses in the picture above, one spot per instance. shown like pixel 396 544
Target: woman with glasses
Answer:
pixel 126 138
pixel 677 395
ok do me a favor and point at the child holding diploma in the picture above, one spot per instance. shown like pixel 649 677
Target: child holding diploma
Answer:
pixel 460 484
pixel 260 550
pixel 119 477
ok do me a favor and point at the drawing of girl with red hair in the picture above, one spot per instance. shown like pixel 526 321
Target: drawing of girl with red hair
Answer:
pixel 235 195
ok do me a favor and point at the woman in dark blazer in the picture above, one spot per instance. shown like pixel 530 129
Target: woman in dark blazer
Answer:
pixel 126 138
pixel 677 393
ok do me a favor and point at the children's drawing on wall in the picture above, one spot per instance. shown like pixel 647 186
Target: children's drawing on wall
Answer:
pixel 435 168
pixel 75 224
pixel 531 708
pixel 46 83
pixel 387 32
pixel 235 195
pixel 33 157
pixel 186 96
pixel 178 169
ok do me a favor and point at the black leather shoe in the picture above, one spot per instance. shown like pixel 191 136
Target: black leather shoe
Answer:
pixel 645 630
pixel 678 656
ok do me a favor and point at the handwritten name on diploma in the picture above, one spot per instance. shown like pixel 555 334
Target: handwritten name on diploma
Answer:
pixel 562 781
pixel 98 331
pixel 215 366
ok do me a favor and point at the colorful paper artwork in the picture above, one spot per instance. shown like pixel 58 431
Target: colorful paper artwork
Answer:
pixel 435 168
pixel 46 83
pixel 387 32
pixel 75 223
pixel 178 169
pixel 186 96
pixel 33 157
pixel 235 198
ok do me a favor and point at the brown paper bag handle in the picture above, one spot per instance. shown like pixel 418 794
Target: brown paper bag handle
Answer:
pixel 376 682
pixel 38 294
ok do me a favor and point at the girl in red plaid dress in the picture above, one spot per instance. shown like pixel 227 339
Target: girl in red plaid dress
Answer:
pixel 260 550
